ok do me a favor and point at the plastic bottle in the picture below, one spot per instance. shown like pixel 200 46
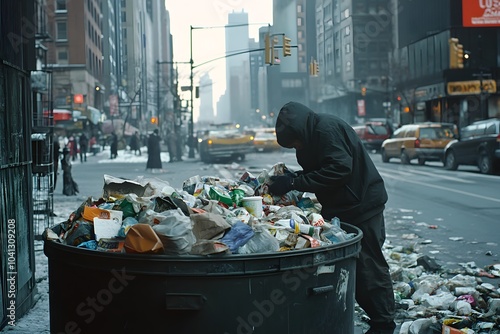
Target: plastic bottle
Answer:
pixel 302 228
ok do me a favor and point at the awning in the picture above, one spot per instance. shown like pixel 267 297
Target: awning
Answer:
pixel 59 115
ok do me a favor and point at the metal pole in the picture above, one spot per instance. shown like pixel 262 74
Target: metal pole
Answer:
pixel 158 95
pixel 191 122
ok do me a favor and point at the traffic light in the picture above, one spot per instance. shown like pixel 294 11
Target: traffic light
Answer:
pixel 287 48
pixel 154 120
pixel 363 91
pixel 456 53
pixel 78 98
pixel 313 68
pixel 267 50
pixel 69 99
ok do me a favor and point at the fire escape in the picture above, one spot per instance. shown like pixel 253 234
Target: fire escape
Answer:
pixel 42 137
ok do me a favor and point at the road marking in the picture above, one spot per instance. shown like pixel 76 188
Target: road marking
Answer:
pixel 451 178
pixel 440 187
pixel 224 172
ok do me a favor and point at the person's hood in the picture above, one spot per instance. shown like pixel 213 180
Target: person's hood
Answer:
pixel 295 122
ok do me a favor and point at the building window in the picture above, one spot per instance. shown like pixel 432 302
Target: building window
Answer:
pixel 348 66
pixel 62 55
pixel 62 33
pixel 348 48
pixel 61 5
pixel 347 31
pixel 300 21
pixel 299 9
pixel 124 17
pixel 345 13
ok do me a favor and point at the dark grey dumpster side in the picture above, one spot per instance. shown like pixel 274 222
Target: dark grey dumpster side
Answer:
pixel 306 291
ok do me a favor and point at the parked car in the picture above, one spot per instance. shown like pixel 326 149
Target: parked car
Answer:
pixel 372 134
pixel 265 141
pixel 478 144
pixel 422 141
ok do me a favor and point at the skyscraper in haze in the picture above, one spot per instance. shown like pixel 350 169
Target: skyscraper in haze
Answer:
pixel 238 67
pixel 206 100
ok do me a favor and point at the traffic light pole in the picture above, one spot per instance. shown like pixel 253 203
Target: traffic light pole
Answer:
pixel 191 102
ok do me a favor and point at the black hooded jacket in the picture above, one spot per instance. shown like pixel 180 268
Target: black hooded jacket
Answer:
pixel 336 166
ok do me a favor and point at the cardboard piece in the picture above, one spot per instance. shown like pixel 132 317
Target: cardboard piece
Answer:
pixel 89 213
pixel 209 225
pixel 106 228
pixel 118 188
pixel 142 239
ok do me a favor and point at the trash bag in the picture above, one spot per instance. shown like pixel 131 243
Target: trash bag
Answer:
pixel 175 232
pixel 262 242
pixel 237 236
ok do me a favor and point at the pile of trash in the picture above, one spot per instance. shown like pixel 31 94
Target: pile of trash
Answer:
pixel 208 216
pixel 433 300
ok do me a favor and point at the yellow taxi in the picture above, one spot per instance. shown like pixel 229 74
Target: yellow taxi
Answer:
pixel 265 140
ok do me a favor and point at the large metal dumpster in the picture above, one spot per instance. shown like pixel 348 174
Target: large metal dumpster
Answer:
pixel 304 291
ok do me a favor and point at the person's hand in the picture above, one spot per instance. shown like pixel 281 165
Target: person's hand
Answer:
pixel 281 185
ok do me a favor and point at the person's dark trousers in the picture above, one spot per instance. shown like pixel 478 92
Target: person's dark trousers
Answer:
pixel 374 290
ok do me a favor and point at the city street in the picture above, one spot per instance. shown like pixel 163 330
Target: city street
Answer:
pixel 450 216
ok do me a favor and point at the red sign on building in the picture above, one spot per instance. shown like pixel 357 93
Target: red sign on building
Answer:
pixel 361 108
pixel 481 13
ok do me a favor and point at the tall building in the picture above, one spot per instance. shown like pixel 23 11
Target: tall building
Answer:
pixel 288 77
pixel 354 39
pixel 112 56
pixel 238 67
pixel 146 42
pixel 75 57
pixel 206 100
pixel 446 65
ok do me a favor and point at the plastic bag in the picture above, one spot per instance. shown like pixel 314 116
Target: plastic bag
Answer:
pixel 175 232
pixel 237 236
pixel 261 242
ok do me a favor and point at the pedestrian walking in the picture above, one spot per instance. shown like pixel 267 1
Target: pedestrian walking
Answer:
pixel 73 148
pixel 154 151
pixel 338 169
pixel 70 187
pixel 84 146
pixel 93 144
pixel 172 146
pixel 135 143
pixel 114 145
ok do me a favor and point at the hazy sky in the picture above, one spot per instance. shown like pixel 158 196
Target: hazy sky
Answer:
pixel 209 44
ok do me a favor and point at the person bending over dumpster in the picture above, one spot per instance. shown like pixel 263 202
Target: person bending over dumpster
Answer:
pixel 337 168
